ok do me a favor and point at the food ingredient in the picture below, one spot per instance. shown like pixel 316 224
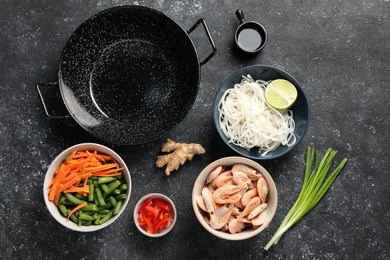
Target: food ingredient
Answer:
pixel 316 182
pixel 178 154
pixel 248 121
pixel 223 206
pixel 154 215
pixel 281 94
pixel 88 187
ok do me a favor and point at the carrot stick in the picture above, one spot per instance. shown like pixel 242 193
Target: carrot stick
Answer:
pixel 100 168
pixel 69 177
pixel 97 174
pixel 85 176
pixel 71 155
pixel 53 190
pixel 71 182
pixel 102 158
pixel 77 189
pixel 110 171
pixel 57 195
pixel 82 205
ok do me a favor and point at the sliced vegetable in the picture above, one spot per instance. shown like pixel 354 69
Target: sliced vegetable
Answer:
pixel 316 182
pixel 77 208
pixel 154 215
pixel 83 181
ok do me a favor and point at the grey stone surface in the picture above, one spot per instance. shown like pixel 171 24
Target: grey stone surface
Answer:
pixel 338 50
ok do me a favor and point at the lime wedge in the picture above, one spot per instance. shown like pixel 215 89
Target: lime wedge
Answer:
pixel 281 94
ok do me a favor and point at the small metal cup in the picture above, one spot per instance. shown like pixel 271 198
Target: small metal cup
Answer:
pixel 250 37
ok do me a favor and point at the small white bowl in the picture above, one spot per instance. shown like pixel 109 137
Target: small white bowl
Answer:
pixel 272 199
pixel 58 161
pixel 173 214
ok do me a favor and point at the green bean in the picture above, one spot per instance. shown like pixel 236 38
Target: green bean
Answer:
pixel 118 207
pixel 90 207
pixel 104 211
pixel 96 222
pixel 102 180
pixel 113 185
pixel 95 183
pixel 123 187
pixel 104 188
pixel 73 218
pixel 116 192
pixel 73 199
pixel 63 209
pixel 113 201
pixel 91 191
pixel 122 196
pixel 87 223
pixel 62 199
pixel 89 213
pixel 99 196
pixel 94 178
pixel 95 216
pixel 84 216
pixel 95 201
pixel 79 196
pixel 80 221
pixel 106 217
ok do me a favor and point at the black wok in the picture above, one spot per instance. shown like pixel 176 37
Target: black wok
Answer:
pixel 129 74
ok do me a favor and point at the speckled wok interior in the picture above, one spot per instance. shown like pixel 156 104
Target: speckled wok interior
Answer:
pixel 129 74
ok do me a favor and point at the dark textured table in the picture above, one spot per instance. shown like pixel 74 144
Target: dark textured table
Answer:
pixel 338 50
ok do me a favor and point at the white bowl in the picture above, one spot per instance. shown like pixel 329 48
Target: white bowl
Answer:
pixel 272 199
pixel 173 214
pixel 58 161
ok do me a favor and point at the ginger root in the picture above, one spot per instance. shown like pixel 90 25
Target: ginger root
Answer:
pixel 178 154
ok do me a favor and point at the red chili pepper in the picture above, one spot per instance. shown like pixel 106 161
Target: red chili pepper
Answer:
pixel 154 215
pixel 152 210
pixel 162 224
pixel 150 226
pixel 143 205
pixel 162 205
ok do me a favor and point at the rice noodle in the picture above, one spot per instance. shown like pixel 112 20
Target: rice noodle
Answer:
pixel 248 121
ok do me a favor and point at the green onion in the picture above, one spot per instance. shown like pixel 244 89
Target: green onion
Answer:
pixel 316 182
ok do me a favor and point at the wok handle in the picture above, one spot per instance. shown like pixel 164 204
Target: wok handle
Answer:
pixel 39 86
pixel 203 22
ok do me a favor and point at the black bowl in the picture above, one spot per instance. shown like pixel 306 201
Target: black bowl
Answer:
pixel 300 109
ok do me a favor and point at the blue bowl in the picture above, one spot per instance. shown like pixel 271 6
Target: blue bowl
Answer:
pixel 300 109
